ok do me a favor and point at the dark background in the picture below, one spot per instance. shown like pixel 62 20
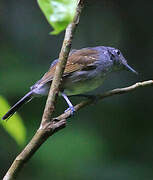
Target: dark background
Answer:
pixel 112 140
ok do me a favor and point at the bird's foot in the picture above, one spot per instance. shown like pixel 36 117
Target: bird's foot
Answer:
pixel 71 109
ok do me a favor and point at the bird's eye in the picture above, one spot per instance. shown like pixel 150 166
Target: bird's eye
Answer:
pixel 112 56
pixel 118 52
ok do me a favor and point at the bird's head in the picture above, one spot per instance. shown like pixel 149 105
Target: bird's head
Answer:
pixel 119 61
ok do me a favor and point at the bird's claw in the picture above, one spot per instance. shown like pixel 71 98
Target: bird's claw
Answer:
pixel 71 109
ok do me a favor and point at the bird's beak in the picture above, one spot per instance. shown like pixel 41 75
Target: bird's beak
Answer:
pixel 127 67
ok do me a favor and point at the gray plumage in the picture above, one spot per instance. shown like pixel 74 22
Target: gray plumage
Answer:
pixel 85 70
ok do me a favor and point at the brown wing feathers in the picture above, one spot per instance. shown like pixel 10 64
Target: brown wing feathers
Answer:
pixel 78 60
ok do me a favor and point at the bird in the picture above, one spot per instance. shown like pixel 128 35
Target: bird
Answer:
pixel 86 70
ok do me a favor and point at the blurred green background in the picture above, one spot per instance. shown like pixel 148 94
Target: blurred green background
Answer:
pixel 112 140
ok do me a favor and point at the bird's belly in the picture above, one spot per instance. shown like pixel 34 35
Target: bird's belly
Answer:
pixel 83 86
pixel 78 83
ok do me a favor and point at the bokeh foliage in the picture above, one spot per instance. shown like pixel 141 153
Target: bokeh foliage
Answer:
pixel 15 127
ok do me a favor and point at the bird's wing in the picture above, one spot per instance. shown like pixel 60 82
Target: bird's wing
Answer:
pixel 78 60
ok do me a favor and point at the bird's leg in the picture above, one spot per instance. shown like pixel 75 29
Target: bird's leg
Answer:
pixel 71 107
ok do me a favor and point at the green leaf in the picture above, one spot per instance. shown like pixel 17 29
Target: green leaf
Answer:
pixel 14 126
pixel 59 13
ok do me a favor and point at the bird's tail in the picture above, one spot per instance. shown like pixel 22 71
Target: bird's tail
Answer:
pixel 22 101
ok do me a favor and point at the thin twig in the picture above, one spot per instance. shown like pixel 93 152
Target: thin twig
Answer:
pixel 54 90
pixel 99 97
pixel 48 127
pixel 59 122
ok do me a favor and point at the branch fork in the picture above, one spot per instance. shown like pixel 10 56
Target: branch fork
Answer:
pixel 50 125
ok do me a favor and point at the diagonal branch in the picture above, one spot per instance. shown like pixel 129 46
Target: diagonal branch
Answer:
pixel 48 127
pixel 54 90
pixel 59 123
pixel 99 97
